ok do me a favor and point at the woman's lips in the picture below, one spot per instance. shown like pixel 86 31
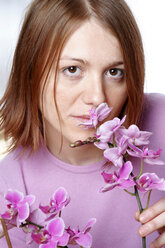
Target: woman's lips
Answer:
pixel 81 118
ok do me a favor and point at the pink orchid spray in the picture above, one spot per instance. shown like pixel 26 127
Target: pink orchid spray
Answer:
pixel 118 143
pixel 44 225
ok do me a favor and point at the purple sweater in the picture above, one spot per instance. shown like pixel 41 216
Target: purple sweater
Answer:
pixel 41 174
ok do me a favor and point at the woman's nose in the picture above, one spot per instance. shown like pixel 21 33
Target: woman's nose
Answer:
pixel 94 91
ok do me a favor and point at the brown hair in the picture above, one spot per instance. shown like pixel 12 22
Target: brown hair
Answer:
pixel 47 26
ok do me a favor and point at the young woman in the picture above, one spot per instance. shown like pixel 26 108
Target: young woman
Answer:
pixel 73 55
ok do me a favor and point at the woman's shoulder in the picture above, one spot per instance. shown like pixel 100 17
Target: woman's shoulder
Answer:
pixel 154 100
pixel 153 118
pixel 11 174
pixel 153 112
pixel 10 160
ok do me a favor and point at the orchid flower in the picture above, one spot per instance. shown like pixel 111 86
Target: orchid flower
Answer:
pixel 19 205
pixel 115 156
pixel 53 235
pixel 106 130
pixel 82 238
pixel 96 115
pixel 58 201
pixel 149 181
pixel 134 136
pixel 149 156
pixel 120 179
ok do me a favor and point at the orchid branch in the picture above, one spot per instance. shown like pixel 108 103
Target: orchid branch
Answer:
pixel 130 193
pixel 6 233
pixel 141 170
pixel 148 200
pixel 31 223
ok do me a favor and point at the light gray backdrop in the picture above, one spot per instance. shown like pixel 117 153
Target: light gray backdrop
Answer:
pixel 150 15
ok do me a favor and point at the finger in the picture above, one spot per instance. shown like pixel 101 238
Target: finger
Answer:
pixel 159 242
pixel 152 211
pixel 137 215
pixel 153 225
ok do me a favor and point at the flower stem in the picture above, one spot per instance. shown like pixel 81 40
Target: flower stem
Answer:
pixel 62 246
pixel 141 210
pixel 130 193
pixel 31 223
pixel 141 170
pixel 6 233
pixel 138 199
pixel 148 200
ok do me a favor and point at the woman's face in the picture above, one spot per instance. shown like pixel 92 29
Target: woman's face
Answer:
pixel 90 72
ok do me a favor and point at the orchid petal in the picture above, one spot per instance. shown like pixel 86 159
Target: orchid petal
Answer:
pixel 108 177
pixel 44 209
pixel 60 195
pixel 84 240
pixel 126 183
pixel 125 171
pixel 154 161
pixel 23 212
pixel 63 240
pixel 89 225
pixel 108 187
pixel 14 196
pixel 101 145
pixel 37 237
pixel 29 199
pixel 51 244
pixel 112 154
pixel 7 215
pixel 56 227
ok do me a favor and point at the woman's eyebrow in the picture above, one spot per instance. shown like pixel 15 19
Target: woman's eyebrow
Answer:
pixel 83 61
pixel 74 59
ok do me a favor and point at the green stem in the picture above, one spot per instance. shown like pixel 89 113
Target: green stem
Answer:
pixel 114 143
pixel 31 223
pixel 141 171
pixel 129 192
pixel 141 210
pixel 144 242
pixel 62 246
pixel 148 200
pixel 138 199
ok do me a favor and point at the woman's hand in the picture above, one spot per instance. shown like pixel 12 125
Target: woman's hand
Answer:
pixel 153 219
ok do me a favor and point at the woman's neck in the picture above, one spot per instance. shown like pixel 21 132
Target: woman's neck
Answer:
pixel 83 155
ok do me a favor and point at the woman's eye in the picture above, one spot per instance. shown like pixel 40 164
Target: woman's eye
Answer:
pixel 115 73
pixel 72 71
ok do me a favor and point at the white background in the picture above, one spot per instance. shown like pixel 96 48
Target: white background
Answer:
pixel 149 14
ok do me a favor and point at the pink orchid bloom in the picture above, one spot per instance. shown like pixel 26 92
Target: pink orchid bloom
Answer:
pixel 82 238
pixel 120 179
pixel 18 205
pixel 149 156
pixel 96 115
pixel 58 201
pixel 106 130
pixel 149 181
pixel 134 136
pixel 53 235
pixel 37 217
pixel 115 156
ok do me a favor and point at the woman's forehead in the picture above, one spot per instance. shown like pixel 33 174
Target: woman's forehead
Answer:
pixel 92 40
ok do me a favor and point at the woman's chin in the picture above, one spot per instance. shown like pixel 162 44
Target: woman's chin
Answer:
pixel 82 135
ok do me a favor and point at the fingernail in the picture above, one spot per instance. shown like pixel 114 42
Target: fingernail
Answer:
pixel 143 217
